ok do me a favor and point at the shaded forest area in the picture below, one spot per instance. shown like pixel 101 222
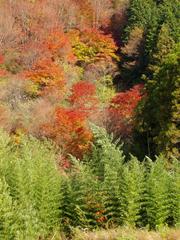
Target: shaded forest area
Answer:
pixel 89 116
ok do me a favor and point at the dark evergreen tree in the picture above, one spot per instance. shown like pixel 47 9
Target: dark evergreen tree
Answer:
pixel 160 110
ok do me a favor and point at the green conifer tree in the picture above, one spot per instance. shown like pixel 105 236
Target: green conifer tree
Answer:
pixel 156 195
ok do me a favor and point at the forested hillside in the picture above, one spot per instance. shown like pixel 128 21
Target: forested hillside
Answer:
pixel 89 116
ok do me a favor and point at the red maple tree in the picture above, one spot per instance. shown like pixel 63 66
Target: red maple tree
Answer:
pixel 122 110
pixel 83 97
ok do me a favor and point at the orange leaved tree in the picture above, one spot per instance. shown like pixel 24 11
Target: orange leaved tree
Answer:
pixel 58 44
pixel 46 75
pixel 70 131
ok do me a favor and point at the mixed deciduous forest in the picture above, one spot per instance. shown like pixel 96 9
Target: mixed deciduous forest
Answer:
pixel 89 119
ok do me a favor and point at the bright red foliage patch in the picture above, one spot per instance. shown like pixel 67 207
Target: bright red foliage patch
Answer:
pixel 121 111
pixel 84 97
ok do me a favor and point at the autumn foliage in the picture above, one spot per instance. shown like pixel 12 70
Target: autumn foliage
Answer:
pixel 46 74
pixel 3 72
pixel 70 131
pixel 59 46
pixel 1 59
pixel 83 97
pixel 69 126
pixel 122 109
pixel 51 47
pixel 91 45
